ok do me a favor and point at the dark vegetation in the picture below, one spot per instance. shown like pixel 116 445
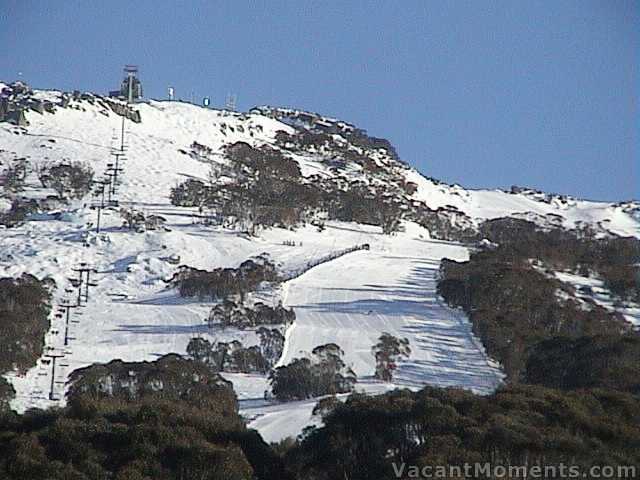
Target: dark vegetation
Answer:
pixel 314 130
pixel 323 374
pixel 604 361
pixel 573 367
pixel 527 319
pixel 171 376
pixel 19 211
pixel 265 188
pixel 172 419
pixel 522 425
pixel 388 351
pixel 230 314
pixel 614 259
pixel 224 282
pixel 234 357
pixel 25 303
pixel 13 176
pixel 69 180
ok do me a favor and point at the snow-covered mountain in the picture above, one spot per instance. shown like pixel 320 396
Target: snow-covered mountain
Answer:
pixel 349 300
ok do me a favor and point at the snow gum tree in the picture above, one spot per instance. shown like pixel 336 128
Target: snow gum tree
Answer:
pixel 388 351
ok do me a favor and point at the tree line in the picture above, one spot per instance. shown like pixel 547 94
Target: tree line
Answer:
pixel 526 318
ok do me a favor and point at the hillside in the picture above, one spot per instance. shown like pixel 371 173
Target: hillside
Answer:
pixel 334 188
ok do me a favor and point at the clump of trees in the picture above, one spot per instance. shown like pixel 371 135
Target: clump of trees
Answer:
pixel 25 304
pixel 514 304
pixel 228 356
pixel 171 376
pixel 224 282
pixel 362 203
pixel 68 180
pixel 388 351
pixel 7 392
pixel 615 259
pixel 190 193
pixel 365 436
pixel 172 419
pixel 230 314
pixel 136 220
pixel 325 373
pixel 445 223
pixel 271 344
pixel 264 188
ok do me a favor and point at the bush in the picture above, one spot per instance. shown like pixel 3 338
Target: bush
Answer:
pixel 7 393
pixel 151 436
pixel 323 374
pixel 69 180
pixel 615 259
pixel 14 176
pixel 18 213
pixel 190 193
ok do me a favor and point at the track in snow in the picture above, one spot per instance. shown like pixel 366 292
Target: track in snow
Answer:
pixel 353 299
pixel 350 301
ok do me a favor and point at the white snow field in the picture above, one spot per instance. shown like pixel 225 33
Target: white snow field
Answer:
pixel 349 301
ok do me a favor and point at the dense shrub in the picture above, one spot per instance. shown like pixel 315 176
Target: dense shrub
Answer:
pixel 271 344
pixel 13 177
pixel 7 392
pixel 512 306
pixel 265 188
pixel 615 259
pixel 169 377
pixel 190 193
pixel 19 211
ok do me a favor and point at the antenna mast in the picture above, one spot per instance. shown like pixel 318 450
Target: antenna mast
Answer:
pixel 230 103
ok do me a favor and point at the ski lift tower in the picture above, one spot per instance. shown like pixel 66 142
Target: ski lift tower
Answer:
pixel 131 88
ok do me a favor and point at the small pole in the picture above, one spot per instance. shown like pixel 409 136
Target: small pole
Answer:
pixel 98 222
pixel 53 358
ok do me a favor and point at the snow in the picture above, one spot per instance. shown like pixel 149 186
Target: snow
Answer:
pixel 487 204
pixel 592 289
pixel 351 300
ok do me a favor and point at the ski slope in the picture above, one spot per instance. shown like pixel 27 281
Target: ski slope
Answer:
pixel 352 300
pixel 355 298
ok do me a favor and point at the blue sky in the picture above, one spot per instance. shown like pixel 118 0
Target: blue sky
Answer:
pixel 485 94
